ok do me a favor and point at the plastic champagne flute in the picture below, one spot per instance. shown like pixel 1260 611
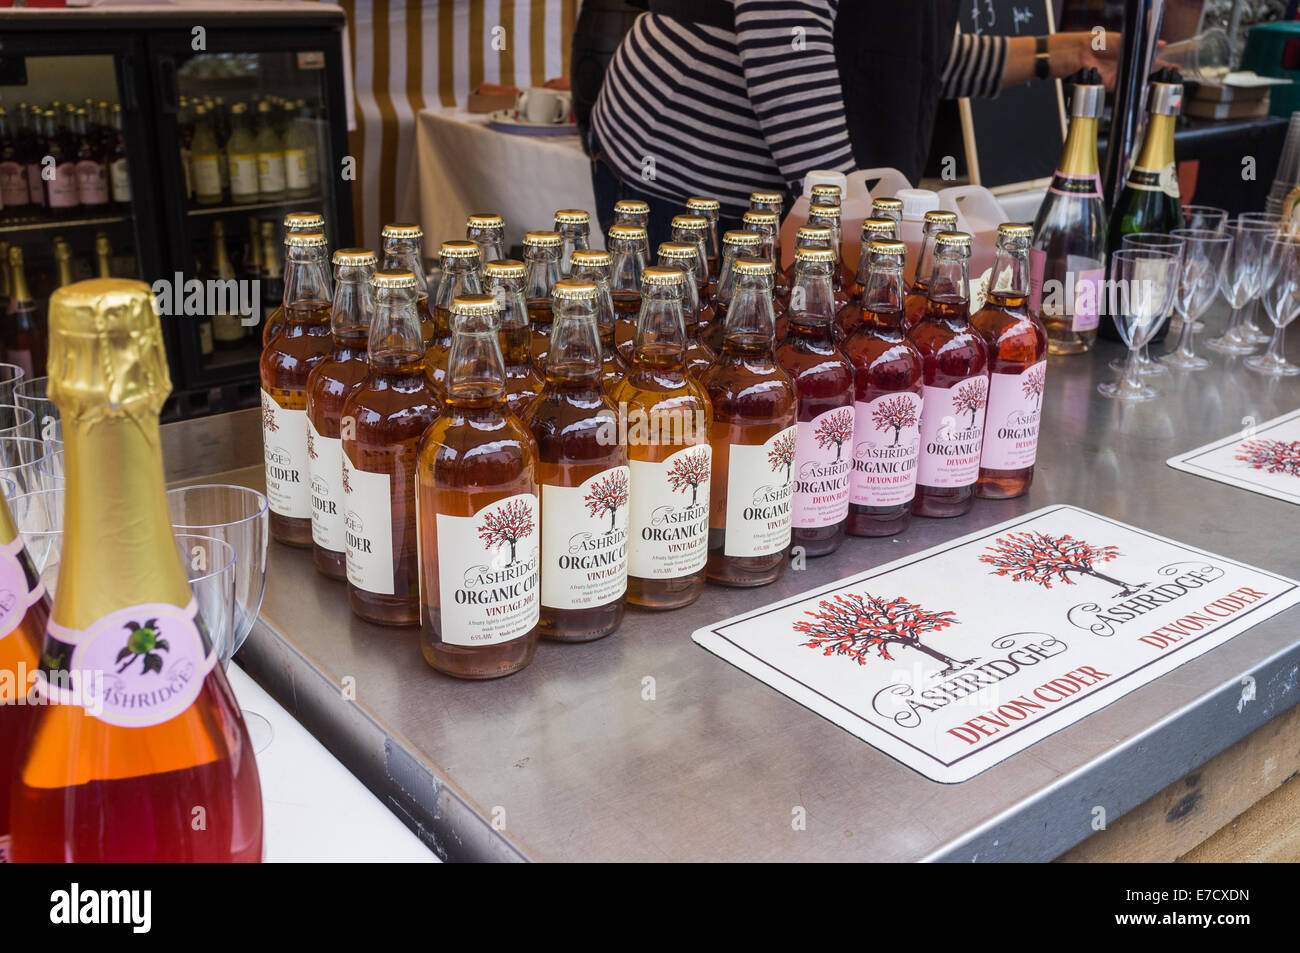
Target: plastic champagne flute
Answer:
pixel 1281 283
pixel 1205 260
pixel 1161 242
pixel 1148 279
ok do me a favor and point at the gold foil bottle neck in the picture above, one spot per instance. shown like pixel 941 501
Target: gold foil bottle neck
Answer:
pixel 106 352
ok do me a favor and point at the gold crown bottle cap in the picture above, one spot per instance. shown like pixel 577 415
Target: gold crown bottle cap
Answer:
pixel 304 221
pixel 1016 230
pixel 826 190
pixel 887 203
pixel 953 240
pixel 814 254
pixel 542 239
pixel 355 257
pixel 760 218
pixel 878 226
pixel 814 233
pixel 505 268
pixel 394 278
pixel 402 230
pixel 632 207
pixel 887 246
pixel 305 240
pixel 572 216
pixel 487 220
pixel 697 203
pixel 475 305
pixel 692 222
pixel 741 238
pixel 824 211
pixel 662 275
pixel 458 248
pixel 590 257
pixel 106 350
pixel 574 289
pixel 754 266
pixel 677 250
pixel 631 233
pixel 766 198
pixel 940 217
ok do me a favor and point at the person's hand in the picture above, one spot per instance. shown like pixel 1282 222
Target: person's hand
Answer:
pixel 1075 51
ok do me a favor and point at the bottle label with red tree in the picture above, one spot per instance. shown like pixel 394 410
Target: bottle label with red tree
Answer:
pixel 760 488
pixel 668 514
pixel 141 665
pixel 284 442
pixel 823 467
pixel 952 433
pixel 368 526
pixel 488 572
pixel 1011 424
pixel 584 541
pixel 325 461
pixel 888 443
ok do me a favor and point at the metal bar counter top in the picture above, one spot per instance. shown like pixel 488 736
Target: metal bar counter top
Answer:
pixel 571 759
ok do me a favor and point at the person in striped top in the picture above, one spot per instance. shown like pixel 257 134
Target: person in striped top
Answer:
pixel 726 97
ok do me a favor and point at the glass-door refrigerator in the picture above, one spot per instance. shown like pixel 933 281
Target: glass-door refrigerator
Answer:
pixel 209 123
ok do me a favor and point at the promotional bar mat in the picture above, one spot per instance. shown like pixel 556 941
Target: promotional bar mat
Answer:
pixel 1264 458
pixel 956 658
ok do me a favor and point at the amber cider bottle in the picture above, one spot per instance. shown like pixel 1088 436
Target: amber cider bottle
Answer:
pixel 917 300
pixel 477 491
pixel 592 265
pixel 294 223
pixel 503 279
pixel 583 471
pixel 542 261
pixel 710 208
pixel 888 377
pixel 956 388
pixel 664 419
pixel 461 275
pixel 629 254
pixel 389 412
pixel 683 256
pixel 1017 343
pixel 403 250
pixel 302 343
pixel 735 244
pixel 754 439
pixel 848 317
pixel 328 386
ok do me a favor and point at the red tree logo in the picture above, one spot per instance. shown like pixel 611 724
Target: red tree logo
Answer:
pixel 1271 456
pixel 508 524
pixel 689 469
pixel 970 397
pixel 347 473
pixel 1041 558
pixel 268 415
pixel 895 413
pixel 311 445
pixel 782 454
pixel 607 494
pixel 1031 385
pixel 835 428
pixel 853 625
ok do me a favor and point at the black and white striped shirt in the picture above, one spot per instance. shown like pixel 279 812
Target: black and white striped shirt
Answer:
pixel 688 109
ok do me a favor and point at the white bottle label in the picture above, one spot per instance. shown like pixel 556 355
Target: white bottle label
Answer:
pixel 121 181
pixel 368 527
pixel 270 172
pixel 952 433
pixel 207 175
pixel 1011 425
pixel 325 460
pixel 584 541
pixel 823 467
pixel 887 443
pixel 488 572
pixel 295 169
pixel 243 175
pixel 284 442
pixel 668 515
pixel 760 484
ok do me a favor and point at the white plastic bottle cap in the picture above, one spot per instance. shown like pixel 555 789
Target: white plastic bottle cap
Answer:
pixel 826 177
pixel 916 202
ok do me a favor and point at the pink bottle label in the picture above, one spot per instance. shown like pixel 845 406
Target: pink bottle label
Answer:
pixel 823 466
pixel 1037 266
pixel 1087 299
pixel 92 183
pixel 34 183
pixel 13 184
pixel 1011 424
pixel 887 443
pixel 952 433
pixel 63 187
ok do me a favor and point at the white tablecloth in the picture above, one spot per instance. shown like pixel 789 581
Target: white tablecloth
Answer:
pixel 462 166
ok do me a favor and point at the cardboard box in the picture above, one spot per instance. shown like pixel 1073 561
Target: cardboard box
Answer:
pixel 1249 109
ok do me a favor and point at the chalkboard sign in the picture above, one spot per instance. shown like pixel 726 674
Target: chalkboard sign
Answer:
pixel 1012 141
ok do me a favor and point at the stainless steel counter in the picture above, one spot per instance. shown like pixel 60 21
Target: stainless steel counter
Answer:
pixel 572 760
